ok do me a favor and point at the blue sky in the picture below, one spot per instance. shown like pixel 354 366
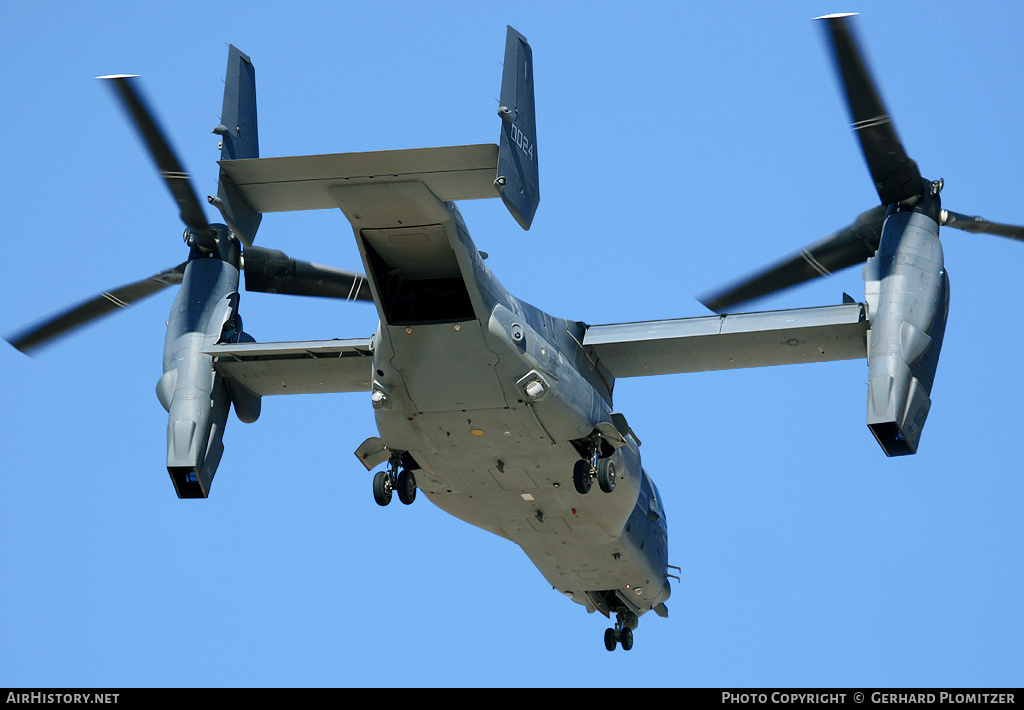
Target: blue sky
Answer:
pixel 680 144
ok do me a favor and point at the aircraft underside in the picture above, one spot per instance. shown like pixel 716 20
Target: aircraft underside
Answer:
pixel 480 453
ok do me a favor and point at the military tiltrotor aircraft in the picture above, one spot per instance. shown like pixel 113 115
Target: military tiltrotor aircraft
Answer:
pixel 497 412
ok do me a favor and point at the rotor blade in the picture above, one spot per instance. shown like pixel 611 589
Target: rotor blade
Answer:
pixel 273 271
pixel 847 247
pixel 129 94
pixel 88 311
pixel 980 224
pixel 896 176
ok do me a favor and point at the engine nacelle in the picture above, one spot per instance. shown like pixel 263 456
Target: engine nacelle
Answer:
pixel 195 430
pixel 907 290
pixel 196 397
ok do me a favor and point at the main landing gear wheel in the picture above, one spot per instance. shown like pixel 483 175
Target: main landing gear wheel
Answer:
pixel 382 488
pixel 406 486
pixel 387 482
pixel 582 476
pixel 592 466
pixel 606 475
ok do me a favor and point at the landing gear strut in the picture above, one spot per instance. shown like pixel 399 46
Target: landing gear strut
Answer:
pixel 593 466
pixel 622 633
pixel 392 480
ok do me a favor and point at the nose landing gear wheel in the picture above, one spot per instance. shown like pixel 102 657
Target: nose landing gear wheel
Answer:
pixel 613 637
pixel 609 639
pixel 622 633
pixel 626 639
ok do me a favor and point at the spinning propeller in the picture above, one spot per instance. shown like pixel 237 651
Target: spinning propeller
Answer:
pixel 266 270
pixel 897 179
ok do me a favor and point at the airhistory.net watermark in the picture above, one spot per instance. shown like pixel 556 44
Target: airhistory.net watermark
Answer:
pixel 42 698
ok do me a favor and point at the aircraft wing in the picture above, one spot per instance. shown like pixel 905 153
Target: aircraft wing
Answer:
pixel 301 367
pixel 718 342
pixel 725 342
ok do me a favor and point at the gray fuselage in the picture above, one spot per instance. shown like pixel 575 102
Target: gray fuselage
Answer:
pixel 489 397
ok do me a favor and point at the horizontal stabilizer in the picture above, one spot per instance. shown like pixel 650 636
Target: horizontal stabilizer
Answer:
pixel 464 172
pixel 729 342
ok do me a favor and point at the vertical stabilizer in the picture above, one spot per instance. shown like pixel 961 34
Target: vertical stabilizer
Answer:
pixel 239 140
pixel 518 180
